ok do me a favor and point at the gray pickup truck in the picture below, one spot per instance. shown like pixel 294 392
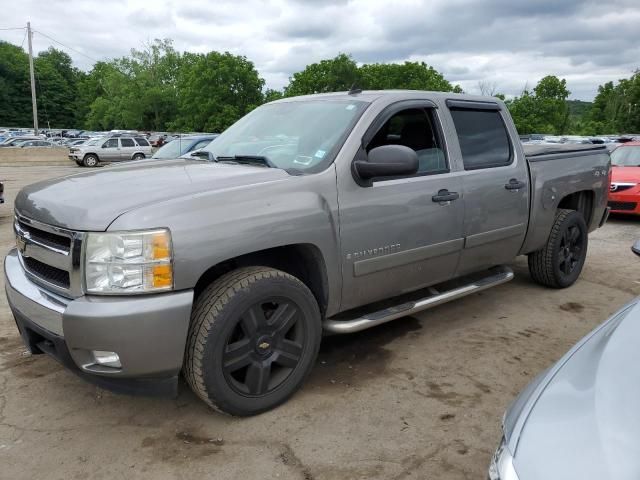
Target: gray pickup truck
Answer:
pixel 333 212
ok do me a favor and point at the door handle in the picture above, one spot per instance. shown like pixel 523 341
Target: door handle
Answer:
pixel 514 184
pixel 445 195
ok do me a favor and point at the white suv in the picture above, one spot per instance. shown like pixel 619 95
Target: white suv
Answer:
pixel 110 149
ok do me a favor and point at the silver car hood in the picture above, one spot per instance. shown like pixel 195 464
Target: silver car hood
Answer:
pixel 581 419
pixel 93 199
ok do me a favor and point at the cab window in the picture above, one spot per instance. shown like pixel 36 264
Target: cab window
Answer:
pixel 414 128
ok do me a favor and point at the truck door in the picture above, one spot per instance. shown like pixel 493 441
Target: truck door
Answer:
pixel 495 185
pixel 401 234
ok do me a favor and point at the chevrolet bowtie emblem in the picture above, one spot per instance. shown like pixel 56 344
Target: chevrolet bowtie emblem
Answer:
pixel 263 346
pixel 21 243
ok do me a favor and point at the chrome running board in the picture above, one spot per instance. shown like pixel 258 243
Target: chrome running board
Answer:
pixel 496 276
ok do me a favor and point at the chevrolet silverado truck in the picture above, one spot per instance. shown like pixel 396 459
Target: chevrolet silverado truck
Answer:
pixel 333 212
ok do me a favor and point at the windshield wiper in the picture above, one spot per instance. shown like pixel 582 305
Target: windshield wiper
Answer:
pixel 248 160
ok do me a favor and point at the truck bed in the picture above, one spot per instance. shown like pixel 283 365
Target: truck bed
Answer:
pixel 557 171
pixel 532 152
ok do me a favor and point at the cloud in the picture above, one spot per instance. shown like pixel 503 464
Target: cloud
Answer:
pixel 509 43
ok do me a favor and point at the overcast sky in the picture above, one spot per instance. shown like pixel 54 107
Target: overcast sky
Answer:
pixel 506 43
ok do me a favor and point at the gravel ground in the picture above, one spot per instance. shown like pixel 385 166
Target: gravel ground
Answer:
pixel 418 398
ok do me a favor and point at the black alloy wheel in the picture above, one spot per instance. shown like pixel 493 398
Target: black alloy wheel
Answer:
pixel 264 347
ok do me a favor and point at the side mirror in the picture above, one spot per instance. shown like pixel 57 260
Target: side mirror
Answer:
pixel 636 248
pixel 203 154
pixel 387 161
pixel 104 145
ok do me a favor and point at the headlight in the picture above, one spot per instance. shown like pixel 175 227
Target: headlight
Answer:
pixel 501 467
pixel 129 262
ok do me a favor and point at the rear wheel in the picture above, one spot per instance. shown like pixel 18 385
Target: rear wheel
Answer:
pixel 253 340
pixel 138 156
pixel 560 262
pixel 90 161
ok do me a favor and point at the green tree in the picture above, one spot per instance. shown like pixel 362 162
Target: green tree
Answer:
pixel 215 90
pixel 544 110
pixel 270 95
pixel 57 88
pixel 334 75
pixel 551 98
pixel 408 75
pixel 15 90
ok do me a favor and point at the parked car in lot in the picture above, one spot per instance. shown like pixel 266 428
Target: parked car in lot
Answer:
pixel 624 196
pixel 35 143
pixel 14 141
pixel 110 149
pixel 1 192
pixel 303 216
pixel 183 145
pixel 579 419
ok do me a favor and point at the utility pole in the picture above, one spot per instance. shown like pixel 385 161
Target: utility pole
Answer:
pixel 33 82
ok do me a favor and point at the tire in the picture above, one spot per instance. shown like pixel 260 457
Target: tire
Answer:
pixel 559 263
pixel 90 160
pixel 271 321
pixel 139 156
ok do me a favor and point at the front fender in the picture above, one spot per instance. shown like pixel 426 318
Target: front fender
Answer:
pixel 211 227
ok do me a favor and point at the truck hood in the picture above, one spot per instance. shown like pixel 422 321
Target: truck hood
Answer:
pixel 92 200
pixel 585 422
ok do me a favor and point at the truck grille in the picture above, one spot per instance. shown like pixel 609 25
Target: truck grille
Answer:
pixel 48 273
pixel 49 239
pixel 623 206
pixel 50 255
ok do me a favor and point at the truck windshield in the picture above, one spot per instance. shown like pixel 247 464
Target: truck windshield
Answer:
pixel 626 157
pixel 300 136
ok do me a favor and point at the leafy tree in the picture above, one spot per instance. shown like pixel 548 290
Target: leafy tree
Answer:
pixel 15 89
pixel 544 110
pixel 409 75
pixel 270 95
pixel 334 75
pixel 215 90
pixel 57 88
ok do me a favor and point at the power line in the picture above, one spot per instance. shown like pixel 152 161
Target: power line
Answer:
pixel 24 38
pixel 13 28
pixel 66 46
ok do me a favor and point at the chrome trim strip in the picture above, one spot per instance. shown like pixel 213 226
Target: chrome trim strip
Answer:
pixel 494 235
pixel 498 276
pixel 396 259
pixel 40 306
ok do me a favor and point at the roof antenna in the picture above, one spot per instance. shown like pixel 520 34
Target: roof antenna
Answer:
pixel 354 90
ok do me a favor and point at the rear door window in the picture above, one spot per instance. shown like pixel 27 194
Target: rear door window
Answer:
pixel 142 142
pixel 483 138
pixel 127 142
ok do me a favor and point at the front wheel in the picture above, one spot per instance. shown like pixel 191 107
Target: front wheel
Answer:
pixel 254 337
pixel 560 262
pixel 90 161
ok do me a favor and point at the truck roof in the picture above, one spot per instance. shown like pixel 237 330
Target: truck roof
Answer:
pixel 371 96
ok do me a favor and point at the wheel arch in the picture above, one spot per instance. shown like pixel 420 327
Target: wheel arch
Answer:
pixel 303 260
pixel 581 201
